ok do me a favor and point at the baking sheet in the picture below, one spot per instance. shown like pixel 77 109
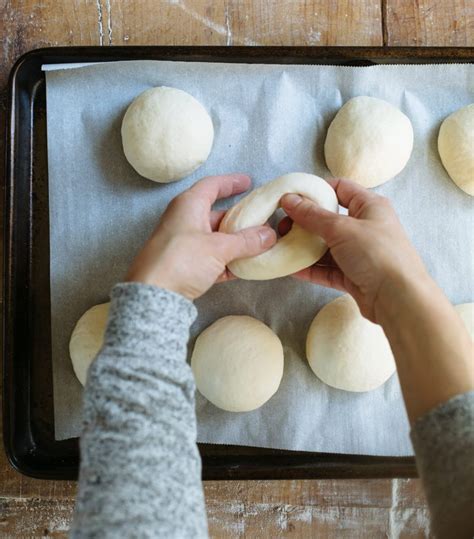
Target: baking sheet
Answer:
pixel 268 120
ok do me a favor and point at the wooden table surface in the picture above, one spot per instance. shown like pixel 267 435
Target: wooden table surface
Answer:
pixel 253 509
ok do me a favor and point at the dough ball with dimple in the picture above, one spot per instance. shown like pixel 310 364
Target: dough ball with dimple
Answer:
pixel 466 312
pixel 369 141
pixel 345 350
pixel 456 147
pixel 87 339
pixel 166 134
pixel 237 363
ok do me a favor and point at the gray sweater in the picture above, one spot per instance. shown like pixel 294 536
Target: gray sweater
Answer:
pixel 140 472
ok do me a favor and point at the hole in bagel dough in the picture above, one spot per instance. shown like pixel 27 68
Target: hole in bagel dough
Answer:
pixel 274 220
pixel 283 223
pixel 295 250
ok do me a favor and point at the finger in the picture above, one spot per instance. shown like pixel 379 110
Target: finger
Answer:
pixel 351 195
pixel 213 188
pixel 284 226
pixel 309 215
pixel 323 275
pixel 215 219
pixel 245 243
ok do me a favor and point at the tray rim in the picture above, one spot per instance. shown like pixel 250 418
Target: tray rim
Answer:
pixel 214 467
pixel 432 54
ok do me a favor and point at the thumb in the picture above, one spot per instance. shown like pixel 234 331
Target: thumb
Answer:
pixel 309 215
pixel 247 242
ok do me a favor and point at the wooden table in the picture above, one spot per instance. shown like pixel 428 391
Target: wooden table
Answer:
pixel 254 509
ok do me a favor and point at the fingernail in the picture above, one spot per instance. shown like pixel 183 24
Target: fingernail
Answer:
pixel 267 236
pixel 291 201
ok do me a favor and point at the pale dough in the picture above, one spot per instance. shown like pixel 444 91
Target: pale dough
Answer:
pixel 293 252
pixel 87 339
pixel 345 350
pixel 237 363
pixel 369 141
pixel 166 134
pixel 466 312
pixel 456 147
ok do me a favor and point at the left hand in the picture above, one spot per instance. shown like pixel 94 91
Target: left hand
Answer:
pixel 185 253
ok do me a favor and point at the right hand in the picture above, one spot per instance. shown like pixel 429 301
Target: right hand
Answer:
pixel 369 255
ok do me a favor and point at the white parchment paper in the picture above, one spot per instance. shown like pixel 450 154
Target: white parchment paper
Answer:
pixel 269 120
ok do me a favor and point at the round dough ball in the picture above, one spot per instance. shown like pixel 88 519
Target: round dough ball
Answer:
pixel 87 339
pixel 466 312
pixel 345 350
pixel 296 250
pixel 369 141
pixel 456 147
pixel 237 363
pixel 166 134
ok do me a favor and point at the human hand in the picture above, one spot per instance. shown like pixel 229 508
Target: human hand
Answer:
pixel 185 253
pixel 369 254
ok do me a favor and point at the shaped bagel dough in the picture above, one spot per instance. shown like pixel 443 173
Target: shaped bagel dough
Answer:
pixel 87 339
pixel 369 141
pixel 456 147
pixel 166 134
pixel 293 252
pixel 466 312
pixel 345 350
pixel 237 363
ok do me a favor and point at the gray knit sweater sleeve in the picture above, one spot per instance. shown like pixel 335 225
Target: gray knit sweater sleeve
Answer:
pixel 443 440
pixel 140 472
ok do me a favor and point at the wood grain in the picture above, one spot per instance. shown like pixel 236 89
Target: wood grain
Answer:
pixel 35 517
pixel 378 508
pixel 429 22
pixel 263 509
pixel 330 509
pixel 246 22
pixel 29 24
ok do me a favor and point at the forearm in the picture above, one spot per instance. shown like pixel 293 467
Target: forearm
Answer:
pixel 435 363
pixel 140 468
pixel 432 348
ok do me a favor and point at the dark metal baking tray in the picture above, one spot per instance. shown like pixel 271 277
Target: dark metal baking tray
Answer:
pixel 27 370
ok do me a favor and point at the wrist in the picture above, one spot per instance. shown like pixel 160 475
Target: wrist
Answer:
pixel 162 282
pixel 432 349
pixel 402 291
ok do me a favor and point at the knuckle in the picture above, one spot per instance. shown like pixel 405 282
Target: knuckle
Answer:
pixel 339 226
pixel 177 201
pixel 185 196
pixel 250 241
pixel 384 201
pixel 360 201
pixel 337 229
pixel 333 233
